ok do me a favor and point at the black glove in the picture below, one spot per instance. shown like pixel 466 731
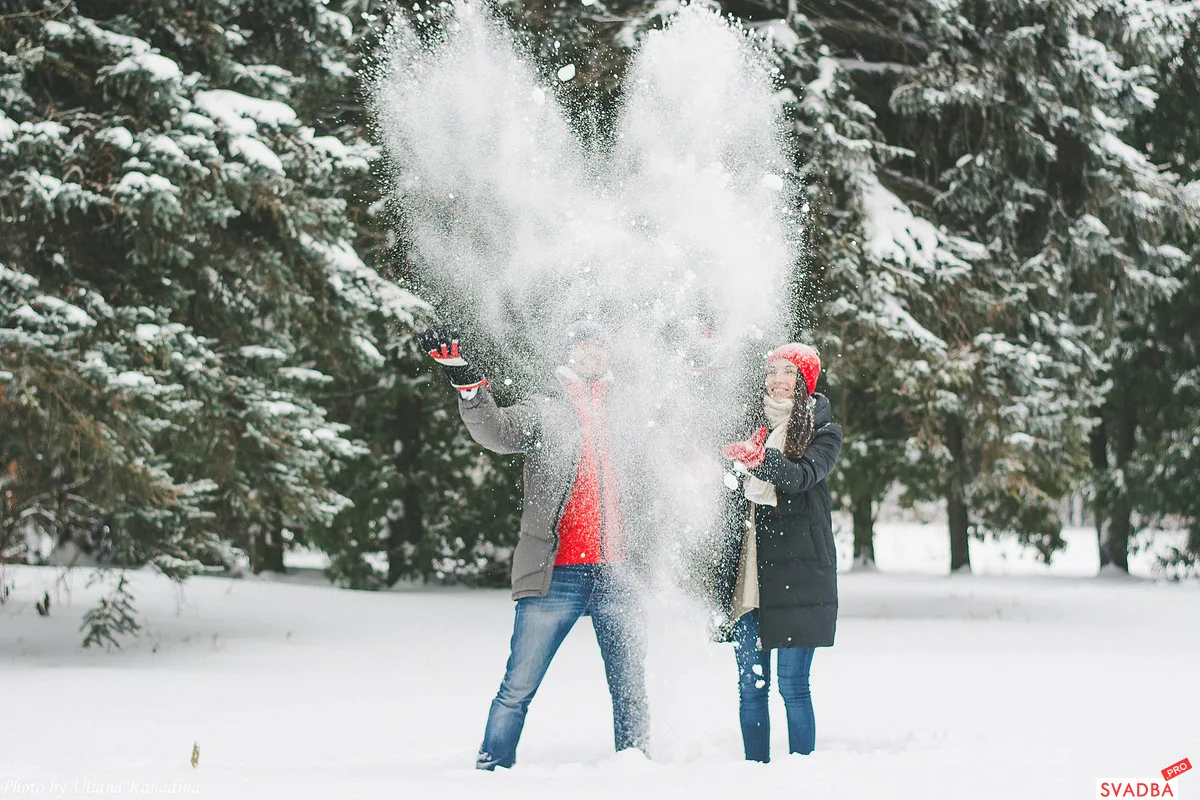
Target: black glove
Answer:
pixel 442 347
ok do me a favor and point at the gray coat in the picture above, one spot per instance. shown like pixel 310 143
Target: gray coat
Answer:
pixel 546 429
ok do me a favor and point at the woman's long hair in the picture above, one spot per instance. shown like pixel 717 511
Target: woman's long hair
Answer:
pixel 800 423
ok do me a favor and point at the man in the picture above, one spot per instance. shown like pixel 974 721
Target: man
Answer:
pixel 570 559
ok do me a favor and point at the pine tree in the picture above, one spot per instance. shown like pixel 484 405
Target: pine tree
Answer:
pixel 426 497
pixel 872 271
pixel 115 616
pixel 84 405
pixel 153 162
pixel 1145 449
pixel 1018 117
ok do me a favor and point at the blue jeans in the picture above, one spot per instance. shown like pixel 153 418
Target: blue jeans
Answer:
pixel 605 592
pixel 754 686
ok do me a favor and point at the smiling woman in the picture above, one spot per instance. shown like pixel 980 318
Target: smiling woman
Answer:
pixel 781 379
pixel 778 568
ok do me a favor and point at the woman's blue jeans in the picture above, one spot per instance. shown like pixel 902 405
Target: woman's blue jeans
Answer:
pixel 754 686
pixel 605 592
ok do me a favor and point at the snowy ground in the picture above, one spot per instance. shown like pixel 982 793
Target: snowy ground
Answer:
pixel 982 686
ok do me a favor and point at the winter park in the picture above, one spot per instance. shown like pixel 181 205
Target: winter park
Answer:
pixel 599 398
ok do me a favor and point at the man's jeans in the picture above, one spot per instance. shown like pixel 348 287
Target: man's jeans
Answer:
pixel 542 623
pixel 754 686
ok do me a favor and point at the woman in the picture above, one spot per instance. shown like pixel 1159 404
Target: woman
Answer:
pixel 778 571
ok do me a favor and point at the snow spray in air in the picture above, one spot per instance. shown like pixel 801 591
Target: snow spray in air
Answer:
pixel 676 236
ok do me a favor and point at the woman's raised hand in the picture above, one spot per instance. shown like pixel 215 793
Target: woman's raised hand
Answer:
pixel 750 452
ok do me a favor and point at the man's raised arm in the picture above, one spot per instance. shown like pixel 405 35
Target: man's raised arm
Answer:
pixel 501 430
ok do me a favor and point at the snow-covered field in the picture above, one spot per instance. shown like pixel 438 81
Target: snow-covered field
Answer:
pixel 985 686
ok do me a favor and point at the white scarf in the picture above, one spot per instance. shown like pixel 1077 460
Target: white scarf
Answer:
pixel 778 413
pixel 745 592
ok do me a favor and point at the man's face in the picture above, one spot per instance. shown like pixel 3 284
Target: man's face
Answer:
pixel 589 359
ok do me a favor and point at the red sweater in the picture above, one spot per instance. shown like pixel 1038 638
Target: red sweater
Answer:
pixel 590 528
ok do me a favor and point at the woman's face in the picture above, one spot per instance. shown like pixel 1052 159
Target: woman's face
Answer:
pixel 781 379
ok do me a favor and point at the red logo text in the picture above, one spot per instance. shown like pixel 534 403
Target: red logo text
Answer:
pixel 1176 769
pixel 1135 789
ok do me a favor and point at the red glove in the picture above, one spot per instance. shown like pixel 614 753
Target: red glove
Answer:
pixel 751 452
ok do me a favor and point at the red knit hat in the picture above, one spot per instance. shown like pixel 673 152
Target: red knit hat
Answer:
pixel 804 357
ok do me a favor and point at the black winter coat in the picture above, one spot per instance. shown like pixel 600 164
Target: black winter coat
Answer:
pixel 797 560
